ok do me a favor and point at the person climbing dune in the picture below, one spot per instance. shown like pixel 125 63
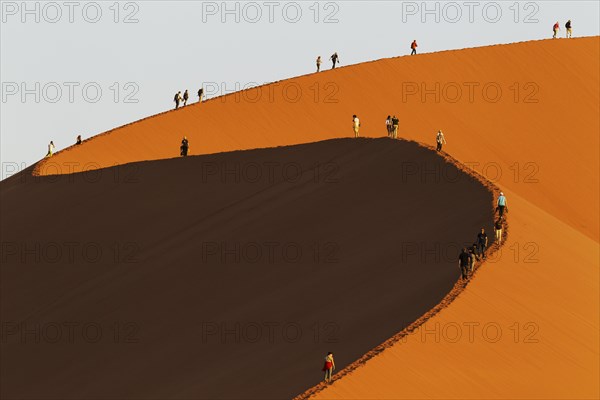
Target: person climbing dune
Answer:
pixel 501 205
pixel 440 140
pixel 356 125
pixel 413 47
pixel 184 147
pixel 482 243
pixel 335 59
pixel 498 230
pixel 177 99
pixel 474 257
pixel 51 148
pixel 329 367
pixel 395 123
pixel 464 263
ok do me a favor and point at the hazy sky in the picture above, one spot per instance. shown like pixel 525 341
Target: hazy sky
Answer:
pixel 79 67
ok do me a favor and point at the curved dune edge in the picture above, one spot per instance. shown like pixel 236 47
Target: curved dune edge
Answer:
pixel 457 289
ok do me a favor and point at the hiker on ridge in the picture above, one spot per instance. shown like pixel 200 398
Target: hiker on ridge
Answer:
pixel 200 94
pixel 335 59
pixel 498 230
pixel 569 29
pixel 482 243
pixel 388 125
pixel 184 147
pixel 355 125
pixel 413 47
pixel 78 141
pixel 50 149
pixel 555 29
pixel 329 367
pixel 501 205
pixel 186 96
pixel 474 257
pixel 395 123
pixel 319 64
pixel 177 99
pixel 464 263
pixel 440 140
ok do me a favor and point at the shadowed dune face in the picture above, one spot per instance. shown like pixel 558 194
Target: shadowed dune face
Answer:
pixel 228 275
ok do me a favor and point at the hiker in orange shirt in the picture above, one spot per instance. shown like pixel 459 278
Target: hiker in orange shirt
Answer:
pixel 414 46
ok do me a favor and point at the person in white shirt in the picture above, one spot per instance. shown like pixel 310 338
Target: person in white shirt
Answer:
pixel 440 139
pixel 356 125
pixel 388 125
pixel 50 149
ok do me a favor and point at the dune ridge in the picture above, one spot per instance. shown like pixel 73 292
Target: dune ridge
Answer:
pixel 176 286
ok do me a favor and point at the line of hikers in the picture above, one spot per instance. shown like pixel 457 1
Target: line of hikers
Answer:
pixel 52 147
pixel 466 263
pixel 391 125
pixel 568 27
pixel 476 252
pixel 184 99
pixel 335 59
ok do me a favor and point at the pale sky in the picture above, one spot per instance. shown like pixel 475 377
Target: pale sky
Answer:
pixel 84 67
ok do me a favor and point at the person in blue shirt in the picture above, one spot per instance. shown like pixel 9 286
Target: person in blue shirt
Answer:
pixel 501 204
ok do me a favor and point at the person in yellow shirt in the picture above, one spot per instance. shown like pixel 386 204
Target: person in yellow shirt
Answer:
pixel 356 125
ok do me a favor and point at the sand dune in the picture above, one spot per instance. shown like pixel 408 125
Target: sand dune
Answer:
pixel 200 256
pixel 538 141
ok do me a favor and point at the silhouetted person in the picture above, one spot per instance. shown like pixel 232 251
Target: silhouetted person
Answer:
pixel 440 140
pixel 555 29
pixel 413 47
pixel 569 29
pixel 334 59
pixel 355 125
pixel 395 123
pixel 177 99
pixel 186 96
pixel 78 139
pixel 184 147
pixel 482 243
pixel 200 95
pixel 329 366
pixel 319 64
pixel 501 206
pixel 464 263
pixel 50 149
pixel 498 230
pixel 388 125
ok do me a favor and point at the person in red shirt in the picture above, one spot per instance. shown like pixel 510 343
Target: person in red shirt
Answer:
pixel 329 367
pixel 414 46
pixel 555 29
